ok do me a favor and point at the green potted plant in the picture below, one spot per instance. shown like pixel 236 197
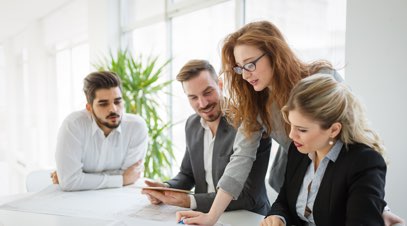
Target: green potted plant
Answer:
pixel 141 88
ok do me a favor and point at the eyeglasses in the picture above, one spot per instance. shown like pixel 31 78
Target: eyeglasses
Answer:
pixel 250 67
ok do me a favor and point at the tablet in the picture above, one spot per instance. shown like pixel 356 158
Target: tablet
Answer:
pixel 167 189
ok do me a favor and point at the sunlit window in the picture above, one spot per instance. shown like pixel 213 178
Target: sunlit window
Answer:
pixel 80 68
pixel 150 40
pixel 141 10
pixel 72 65
pixel 196 35
pixel 3 114
pixel 2 79
pixel 314 29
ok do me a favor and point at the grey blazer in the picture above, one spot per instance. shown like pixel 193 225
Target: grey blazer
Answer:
pixel 192 173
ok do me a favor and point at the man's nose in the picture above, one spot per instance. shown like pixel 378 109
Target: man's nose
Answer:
pixel 113 108
pixel 202 102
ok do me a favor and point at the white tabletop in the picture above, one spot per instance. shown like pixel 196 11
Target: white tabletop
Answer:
pixel 26 217
pixel 17 218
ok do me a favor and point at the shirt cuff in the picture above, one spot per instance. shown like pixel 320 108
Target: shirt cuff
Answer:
pixel 230 186
pixel 114 181
pixel 282 218
pixel 192 200
pixel 386 208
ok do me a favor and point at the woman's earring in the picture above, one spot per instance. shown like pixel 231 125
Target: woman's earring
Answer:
pixel 331 142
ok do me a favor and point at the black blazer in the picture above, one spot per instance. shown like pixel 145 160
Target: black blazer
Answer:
pixel 192 173
pixel 351 191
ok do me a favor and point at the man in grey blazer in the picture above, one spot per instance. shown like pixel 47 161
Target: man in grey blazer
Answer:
pixel 209 145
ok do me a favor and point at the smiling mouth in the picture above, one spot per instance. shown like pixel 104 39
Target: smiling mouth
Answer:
pixel 253 81
pixel 207 110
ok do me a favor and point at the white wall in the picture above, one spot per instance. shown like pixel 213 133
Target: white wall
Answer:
pixel 376 49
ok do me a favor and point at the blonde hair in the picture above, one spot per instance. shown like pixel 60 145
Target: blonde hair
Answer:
pixel 325 100
pixel 245 104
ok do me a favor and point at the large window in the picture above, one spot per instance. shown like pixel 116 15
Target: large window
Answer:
pixel 72 65
pixel 187 33
pixel 3 105
pixel 196 35
pixel 314 29
pixel 2 79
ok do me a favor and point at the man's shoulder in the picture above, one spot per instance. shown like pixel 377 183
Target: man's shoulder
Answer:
pixel 76 116
pixel 133 119
pixel 194 118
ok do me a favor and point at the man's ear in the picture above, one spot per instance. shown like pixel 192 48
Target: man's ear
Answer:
pixel 335 129
pixel 89 107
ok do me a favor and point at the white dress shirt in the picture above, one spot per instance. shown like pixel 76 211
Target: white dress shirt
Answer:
pixel 86 159
pixel 208 142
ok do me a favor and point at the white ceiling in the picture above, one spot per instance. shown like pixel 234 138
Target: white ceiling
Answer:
pixel 15 15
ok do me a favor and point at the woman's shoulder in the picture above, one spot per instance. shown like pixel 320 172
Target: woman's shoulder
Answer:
pixel 363 156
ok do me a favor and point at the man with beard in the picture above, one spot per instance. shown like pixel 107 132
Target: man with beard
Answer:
pixel 100 147
pixel 209 145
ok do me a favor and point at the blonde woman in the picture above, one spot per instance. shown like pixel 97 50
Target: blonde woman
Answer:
pixel 335 170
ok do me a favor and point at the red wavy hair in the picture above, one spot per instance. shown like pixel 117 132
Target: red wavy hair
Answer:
pixel 245 104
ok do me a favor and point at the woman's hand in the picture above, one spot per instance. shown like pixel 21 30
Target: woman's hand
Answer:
pixel 195 217
pixel 272 221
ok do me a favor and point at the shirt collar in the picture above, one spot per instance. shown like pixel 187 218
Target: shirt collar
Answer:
pixel 203 123
pixel 333 152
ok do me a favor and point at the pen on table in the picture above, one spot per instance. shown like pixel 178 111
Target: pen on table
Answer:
pixel 181 221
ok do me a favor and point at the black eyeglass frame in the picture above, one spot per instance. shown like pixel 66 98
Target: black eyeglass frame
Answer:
pixel 239 70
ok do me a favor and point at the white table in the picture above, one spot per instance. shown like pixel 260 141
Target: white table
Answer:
pixel 24 218
pixel 16 218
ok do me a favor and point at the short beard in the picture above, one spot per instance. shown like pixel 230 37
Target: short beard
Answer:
pixel 100 122
pixel 214 117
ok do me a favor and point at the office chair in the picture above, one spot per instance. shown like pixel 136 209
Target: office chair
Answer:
pixel 38 180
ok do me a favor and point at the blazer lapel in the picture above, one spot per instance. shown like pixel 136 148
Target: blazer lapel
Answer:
pixel 197 156
pixel 296 181
pixel 222 149
pixel 322 204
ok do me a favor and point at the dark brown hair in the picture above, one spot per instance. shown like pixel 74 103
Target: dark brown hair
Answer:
pixel 99 80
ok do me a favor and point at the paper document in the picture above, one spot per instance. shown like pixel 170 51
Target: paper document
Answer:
pixel 101 204
pixel 123 206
